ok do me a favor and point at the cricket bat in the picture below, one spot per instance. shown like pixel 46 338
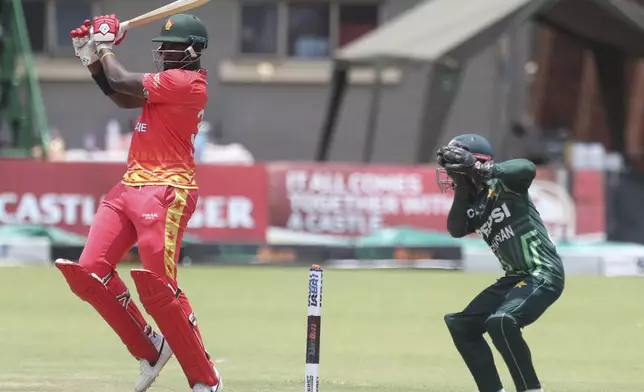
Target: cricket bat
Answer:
pixel 175 7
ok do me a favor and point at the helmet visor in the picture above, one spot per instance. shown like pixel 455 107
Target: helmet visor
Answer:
pixel 167 56
pixel 443 180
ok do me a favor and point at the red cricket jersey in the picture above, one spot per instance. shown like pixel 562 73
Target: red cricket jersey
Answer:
pixel 162 147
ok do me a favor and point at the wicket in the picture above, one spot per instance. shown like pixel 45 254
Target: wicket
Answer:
pixel 312 381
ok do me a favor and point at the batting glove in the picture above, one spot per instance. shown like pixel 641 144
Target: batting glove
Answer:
pixel 107 31
pixel 84 47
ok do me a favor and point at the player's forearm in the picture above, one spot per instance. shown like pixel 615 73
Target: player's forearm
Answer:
pixel 95 68
pixel 457 224
pixel 120 79
pixel 114 70
pixel 517 174
pixel 121 100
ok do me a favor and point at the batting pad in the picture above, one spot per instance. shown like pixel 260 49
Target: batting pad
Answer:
pixel 160 301
pixel 91 289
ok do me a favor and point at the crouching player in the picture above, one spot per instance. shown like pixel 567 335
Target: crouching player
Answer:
pixel 492 200
pixel 152 204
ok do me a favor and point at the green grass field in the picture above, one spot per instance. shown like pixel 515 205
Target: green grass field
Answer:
pixel 381 331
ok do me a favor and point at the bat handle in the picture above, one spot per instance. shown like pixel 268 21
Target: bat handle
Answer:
pixel 125 25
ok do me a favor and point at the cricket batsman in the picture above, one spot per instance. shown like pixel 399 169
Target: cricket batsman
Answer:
pixel 152 203
pixel 492 200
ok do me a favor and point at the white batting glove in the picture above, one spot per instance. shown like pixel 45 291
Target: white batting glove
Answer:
pixel 84 46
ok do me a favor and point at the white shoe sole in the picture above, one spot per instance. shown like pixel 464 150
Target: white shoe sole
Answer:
pixel 164 356
pixel 220 385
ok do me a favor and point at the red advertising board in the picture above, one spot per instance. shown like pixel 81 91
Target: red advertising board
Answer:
pixel 232 199
pixel 590 204
pixel 241 203
pixel 232 204
pixel 353 200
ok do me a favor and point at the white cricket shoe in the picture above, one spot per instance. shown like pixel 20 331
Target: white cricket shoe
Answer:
pixel 150 372
pixel 205 388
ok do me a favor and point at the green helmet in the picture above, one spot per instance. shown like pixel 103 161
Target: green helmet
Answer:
pixel 184 29
pixel 476 144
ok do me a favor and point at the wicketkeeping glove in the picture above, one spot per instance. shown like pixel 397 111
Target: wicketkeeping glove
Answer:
pixel 84 47
pixel 440 159
pixel 107 31
pixel 443 159
pixel 459 160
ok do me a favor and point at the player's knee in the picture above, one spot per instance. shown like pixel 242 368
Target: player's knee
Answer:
pixel 86 259
pixel 499 324
pixel 456 325
pixel 95 265
pixel 89 263
pixel 450 320
pixel 151 244
pixel 154 291
pixel 101 272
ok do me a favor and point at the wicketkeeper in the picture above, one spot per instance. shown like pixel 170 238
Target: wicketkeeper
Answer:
pixel 153 202
pixel 492 200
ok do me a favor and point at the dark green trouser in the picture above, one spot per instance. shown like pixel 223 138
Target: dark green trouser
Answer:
pixel 502 310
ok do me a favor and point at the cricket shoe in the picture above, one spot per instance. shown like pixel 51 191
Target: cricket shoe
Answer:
pixel 205 388
pixel 149 372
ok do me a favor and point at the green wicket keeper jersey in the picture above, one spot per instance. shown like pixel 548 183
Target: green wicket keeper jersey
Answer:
pixel 505 217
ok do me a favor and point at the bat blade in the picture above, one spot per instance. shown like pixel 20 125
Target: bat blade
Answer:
pixel 175 7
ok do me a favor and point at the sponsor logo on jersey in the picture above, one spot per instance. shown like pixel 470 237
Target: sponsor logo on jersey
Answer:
pixel 497 215
pixel 503 234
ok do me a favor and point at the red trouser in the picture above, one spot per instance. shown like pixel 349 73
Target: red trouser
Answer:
pixel 155 217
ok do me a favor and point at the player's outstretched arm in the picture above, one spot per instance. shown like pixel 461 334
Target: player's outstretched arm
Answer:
pixel 107 32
